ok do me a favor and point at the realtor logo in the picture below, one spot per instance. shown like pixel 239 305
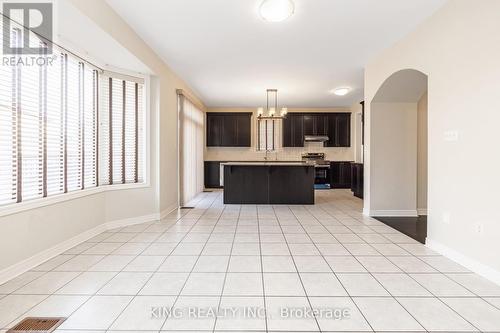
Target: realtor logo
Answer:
pixel 19 19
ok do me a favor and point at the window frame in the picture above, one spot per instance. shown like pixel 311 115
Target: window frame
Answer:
pixel 22 206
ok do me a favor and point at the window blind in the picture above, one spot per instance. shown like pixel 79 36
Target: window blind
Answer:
pixel 8 132
pixel 121 130
pixel 191 155
pixel 268 134
pixel 65 126
pixel 48 122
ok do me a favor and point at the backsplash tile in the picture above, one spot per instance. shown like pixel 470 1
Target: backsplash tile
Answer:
pixel 282 154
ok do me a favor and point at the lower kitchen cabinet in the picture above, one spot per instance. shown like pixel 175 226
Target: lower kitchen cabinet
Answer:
pixel 357 179
pixel 212 174
pixel 340 174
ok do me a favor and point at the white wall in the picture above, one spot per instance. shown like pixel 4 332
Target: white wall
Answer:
pixel 288 153
pixel 394 159
pixel 459 49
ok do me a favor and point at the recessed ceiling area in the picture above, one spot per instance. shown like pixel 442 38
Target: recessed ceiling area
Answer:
pixel 229 55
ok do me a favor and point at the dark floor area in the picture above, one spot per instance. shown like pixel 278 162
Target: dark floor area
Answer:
pixel 414 227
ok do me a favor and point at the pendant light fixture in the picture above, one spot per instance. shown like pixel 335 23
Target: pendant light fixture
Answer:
pixel 271 107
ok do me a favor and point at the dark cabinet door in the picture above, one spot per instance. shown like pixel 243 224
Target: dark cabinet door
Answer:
pixel 214 130
pixel 357 187
pixel 288 132
pixel 229 129
pixel 298 130
pixel 320 124
pixel 309 124
pixel 340 174
pixel 343 130
pixel 339 130
pixel 332 133
pixel 293 131
pixel 212 174
pixel 243 127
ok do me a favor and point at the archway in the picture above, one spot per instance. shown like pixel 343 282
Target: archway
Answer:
pixel 398 146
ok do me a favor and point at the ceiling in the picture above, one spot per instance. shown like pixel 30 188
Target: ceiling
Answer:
pixel 82 36
pixel 229 55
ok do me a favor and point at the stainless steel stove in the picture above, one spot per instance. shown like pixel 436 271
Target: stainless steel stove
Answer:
pixel 318 159
pixel 322 169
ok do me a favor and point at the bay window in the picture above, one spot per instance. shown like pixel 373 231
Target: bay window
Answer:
pixel 65 126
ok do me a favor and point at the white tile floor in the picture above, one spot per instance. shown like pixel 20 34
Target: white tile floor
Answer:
pixel 278 261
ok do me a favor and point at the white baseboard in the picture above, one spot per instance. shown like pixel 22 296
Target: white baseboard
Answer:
pixel 469 263
pixel 168 210
pixel 366 211
pixel 131 221
pixel 39 258
pixel 393 213
pixel 422 211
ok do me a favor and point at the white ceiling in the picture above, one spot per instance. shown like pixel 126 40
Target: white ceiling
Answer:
pixel 229 55
pixel 81 35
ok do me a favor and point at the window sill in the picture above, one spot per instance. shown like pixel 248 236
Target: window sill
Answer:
pixel 43 202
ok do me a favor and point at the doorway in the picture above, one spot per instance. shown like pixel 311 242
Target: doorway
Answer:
pixel 398 147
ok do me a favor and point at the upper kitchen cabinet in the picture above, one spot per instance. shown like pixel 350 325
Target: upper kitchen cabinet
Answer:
pixel 293 130
pixel 337 126
pixel 229 129
pixel 339 130
pixel 315 124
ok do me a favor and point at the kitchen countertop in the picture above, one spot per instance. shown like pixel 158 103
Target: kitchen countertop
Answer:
pixel 284 163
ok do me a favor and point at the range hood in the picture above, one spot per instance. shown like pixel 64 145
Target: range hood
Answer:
pixel 315 138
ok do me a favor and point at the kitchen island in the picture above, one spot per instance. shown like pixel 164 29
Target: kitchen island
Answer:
pixel 269 183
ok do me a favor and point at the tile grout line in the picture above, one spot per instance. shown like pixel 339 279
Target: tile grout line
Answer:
pixel 335 274
pixel 152 273
pixel 394 297
pixel 227 269
pixel 296 268
pixel 195 263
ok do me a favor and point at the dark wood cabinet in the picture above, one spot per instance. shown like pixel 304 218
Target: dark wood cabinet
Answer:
pixel 293 131
pixel 212 174
pixel 229 129
pixel 315 123
pixel 269 184
pixel 357 179
pixel 214 130
pixel 339 130
pixel 337 126
pixel 340 174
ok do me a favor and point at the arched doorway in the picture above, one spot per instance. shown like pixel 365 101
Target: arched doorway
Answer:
pixel 398 146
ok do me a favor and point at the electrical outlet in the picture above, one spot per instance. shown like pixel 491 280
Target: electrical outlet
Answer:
pixel 451 136
pixel 479 228
pixel 446 218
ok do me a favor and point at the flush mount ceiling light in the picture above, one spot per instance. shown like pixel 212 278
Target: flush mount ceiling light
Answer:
pixel 276 10
pixel 341 91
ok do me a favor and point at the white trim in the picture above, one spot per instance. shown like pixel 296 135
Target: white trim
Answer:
pixel 469 263
pixel 366 211
pixel 422 211
pixel 41 257
pixel 168 210
pixel 131 221
pixel 52 200
pixel 411 213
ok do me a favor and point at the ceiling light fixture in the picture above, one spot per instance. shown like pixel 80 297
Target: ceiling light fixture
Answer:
pixel 276 10
pixel 271 106
pixel 341 91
